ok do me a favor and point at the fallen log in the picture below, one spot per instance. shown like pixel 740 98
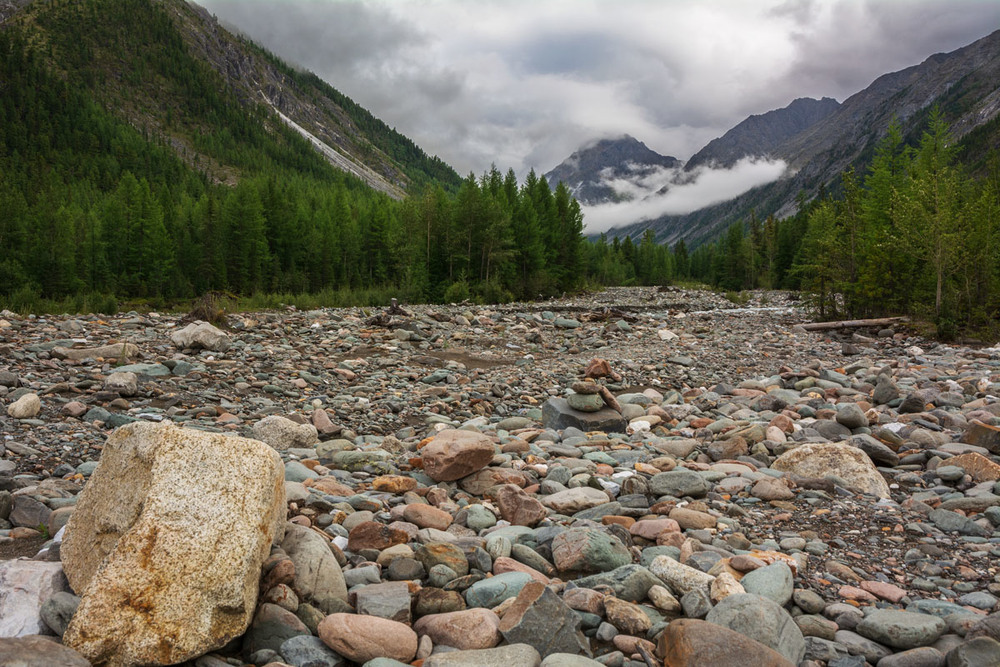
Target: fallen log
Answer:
pixel 853 324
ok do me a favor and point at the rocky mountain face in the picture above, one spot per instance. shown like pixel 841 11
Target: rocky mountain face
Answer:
pixel 761 135
pixel 588 171
pixel 963 84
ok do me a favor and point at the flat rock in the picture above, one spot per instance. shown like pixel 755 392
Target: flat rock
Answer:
pixel 36 651
pixel 557 414
pixel 521 655
pixel 318 577
pixel 540 619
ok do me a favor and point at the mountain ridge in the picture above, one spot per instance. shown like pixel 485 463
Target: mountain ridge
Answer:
pixel 347 135
pixel 964 83
pixel 587 171
pixel 761 134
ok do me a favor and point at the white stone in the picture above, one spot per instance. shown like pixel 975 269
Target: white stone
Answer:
pixel 24 586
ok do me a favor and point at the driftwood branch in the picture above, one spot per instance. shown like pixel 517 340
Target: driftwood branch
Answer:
pixel 852 324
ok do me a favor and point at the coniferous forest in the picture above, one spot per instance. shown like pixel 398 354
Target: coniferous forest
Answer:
pixel 915 235
pixel 97 210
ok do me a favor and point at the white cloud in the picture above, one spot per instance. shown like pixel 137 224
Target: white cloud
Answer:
pixel 672 192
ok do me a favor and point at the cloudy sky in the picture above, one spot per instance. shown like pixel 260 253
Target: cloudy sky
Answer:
pixel 523 83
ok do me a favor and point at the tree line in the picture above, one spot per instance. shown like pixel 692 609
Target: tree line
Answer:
pixel 915 235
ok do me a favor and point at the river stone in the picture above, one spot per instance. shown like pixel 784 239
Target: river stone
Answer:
pixel 201 335
pixel 974 653
pixel 58 611
pixel 519 655
pixel 761 619
pixel 585 402
pixel 494 590
pixel 689 642
pixel 837 459
pixel 125 384
pixel 24 586
pixel 309 651
pixel 38 651
pixel 363 638
pixel 682 579
pixel 25 407
pixel 587 550
pixel 318 577
pixel 572 501
pixel 773 582
pixel 283 434
pixel 167 541
pixel 629 582
pixel 539 618
pixel 901 629
pixel 678 483
pixel 558 415
pixel 851 415
pixel 468 629
pixel 454 454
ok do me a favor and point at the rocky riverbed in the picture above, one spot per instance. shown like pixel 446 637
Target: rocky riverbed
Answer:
pixel 634 477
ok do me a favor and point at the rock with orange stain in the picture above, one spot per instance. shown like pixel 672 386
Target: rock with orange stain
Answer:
pixel 393 484
pixel 167 541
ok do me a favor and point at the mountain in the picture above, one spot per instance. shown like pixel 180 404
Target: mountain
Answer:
pixel 148 153
pixel 95 44
pixel 588 171
pixel 761 135
pixel 964 84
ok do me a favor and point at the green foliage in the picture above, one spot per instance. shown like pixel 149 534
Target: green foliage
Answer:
pixel 917 236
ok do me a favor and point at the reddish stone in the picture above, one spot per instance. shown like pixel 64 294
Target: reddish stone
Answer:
pixel 980 468
pixel 394 483
pixel 465 630
pixel 651 529
pixel 426 516
pixel 454 454
pixel 518 507
pixel 362 638
pixel 884 590
pixel 479 483
pixel 688 518
pixel 504 564
pixel 689 642
pixel 374 535
pixel 329 486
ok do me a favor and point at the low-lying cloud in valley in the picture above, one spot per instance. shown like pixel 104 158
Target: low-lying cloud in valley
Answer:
pixel 674 192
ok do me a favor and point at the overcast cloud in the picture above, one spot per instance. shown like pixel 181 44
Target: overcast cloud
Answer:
pixel 524 83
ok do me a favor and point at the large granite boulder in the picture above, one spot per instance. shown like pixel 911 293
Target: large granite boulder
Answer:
pixel 167 541
pixel 849 465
